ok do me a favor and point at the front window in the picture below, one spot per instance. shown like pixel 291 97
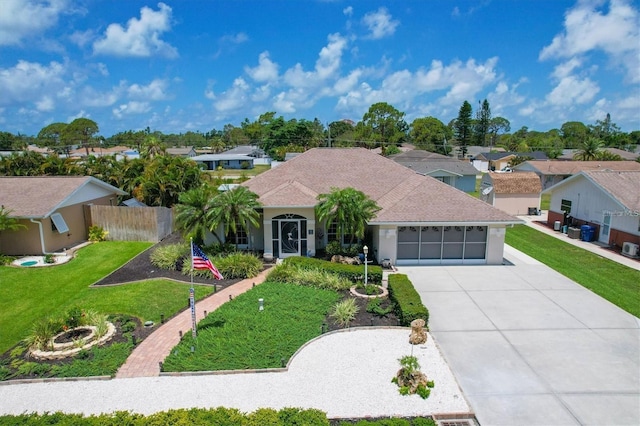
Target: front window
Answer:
pixel 332 235
pixel 240 237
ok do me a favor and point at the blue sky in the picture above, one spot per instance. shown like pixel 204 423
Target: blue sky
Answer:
pixel 178 66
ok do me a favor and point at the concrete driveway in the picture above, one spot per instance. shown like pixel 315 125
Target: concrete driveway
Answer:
pixel 531 347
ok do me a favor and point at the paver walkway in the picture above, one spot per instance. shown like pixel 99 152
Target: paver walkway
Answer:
pixel 145 360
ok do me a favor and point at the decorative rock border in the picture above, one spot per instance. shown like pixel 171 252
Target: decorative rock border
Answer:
pixel 354 291
pixel 68 349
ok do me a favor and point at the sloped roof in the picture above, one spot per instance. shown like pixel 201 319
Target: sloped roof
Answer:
pixel 39 196
pixel 567 154
pixel 493 156
pixel 516 183
pixel 183 150
pixel 403 195
pixel 417 155
pixel 566 168
pixel 623 186
pixel 425 162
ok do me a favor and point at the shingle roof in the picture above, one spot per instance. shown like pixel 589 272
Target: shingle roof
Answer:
pixel 567 168
pixel 516 183
pixel 623 186
pixel 403 195
pixel 425 162
pixel 39 196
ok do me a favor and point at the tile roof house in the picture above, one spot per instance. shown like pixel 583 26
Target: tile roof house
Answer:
pixel 552 172
pixel 183 151
pixel 224 161
pixel 52 210
pixel 454 172
pixel 515 193
pixel 496 161
pixel 608 200
pixel 421 221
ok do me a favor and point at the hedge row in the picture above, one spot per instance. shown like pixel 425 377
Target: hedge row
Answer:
pixel 354 273
pixel 407 300
pixel 194 416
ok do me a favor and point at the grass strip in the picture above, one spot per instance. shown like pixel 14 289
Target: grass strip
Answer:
pixel 616 283
pixel 239 336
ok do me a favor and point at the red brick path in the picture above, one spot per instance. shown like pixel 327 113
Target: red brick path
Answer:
pixel 144 360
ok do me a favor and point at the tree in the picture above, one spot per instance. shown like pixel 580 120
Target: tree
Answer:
pixel 152 147
pixel 349 209
pixel 165 178
pixel 483 120
pixel 191 214
pixel 497 125
pixel 233 208
pixel 8 223
pixel 574 133
pixel 589 150
pixel 430 134
pixel 606 130
pixel 80 132
pixel 463 127
pixel 384 124
pixel 51 136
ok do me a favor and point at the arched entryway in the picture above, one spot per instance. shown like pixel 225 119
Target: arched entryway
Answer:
pixel 289 235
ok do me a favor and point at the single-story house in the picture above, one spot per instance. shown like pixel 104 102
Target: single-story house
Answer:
pixel 52 210
pixel 514 193
pixel 454 172
pixel 568 154
pixel 184 151
pixel 250 150
pixel 421 221
pixel 496 161
pixel 225 161
pixel 608 200
pixel 551 172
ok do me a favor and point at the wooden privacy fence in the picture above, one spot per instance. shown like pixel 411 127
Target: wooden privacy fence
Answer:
pixel 132 223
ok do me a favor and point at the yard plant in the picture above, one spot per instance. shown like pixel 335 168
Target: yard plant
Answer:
pixel 614 282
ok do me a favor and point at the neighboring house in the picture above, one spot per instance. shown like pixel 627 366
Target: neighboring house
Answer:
pixel 52 208
pixel 607 200
pixel 421 221
pixel 250 150
pixel 496 161
pixel 187 152
pixel 514 193
pixel 459 174
pixel 551 172
pixel 568 154
pixel 225 161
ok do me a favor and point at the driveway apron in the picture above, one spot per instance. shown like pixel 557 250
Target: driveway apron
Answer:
pixel 531 347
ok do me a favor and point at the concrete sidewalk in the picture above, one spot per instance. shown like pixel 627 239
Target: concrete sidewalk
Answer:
pixel 145 360
pixel 594 247
pixel 531 347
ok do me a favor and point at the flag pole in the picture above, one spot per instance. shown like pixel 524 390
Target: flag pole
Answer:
pixel 192 295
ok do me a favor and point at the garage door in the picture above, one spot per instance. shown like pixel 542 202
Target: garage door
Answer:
pixel 437 245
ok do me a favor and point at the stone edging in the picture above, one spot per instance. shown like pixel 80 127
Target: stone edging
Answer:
pixel 60 349
pixel 384 294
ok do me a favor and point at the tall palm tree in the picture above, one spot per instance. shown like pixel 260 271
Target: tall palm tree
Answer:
pixel 191 212
pixel 349 209
pixel 233 208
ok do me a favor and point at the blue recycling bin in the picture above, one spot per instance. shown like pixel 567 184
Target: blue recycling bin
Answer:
pixel 587 232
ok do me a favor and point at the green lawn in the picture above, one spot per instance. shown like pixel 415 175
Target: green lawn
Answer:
pixel 617 283
pixel 28 294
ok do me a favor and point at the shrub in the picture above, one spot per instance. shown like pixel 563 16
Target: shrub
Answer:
pixel 48 258
pixel 333 248
pixel 407 300
pixel 74 317
pixel 43 331
pixel 353 273
pixel 345 311
pixel 289 273
pixel 169 256
pixel 374 306
pixel 97 234
pixel 220 249
pixel 6 260
pixel 238 265
pixel 98 320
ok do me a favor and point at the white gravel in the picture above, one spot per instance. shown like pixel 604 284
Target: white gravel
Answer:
pixel 345 374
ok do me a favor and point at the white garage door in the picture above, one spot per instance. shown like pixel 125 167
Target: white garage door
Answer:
pixel 437 245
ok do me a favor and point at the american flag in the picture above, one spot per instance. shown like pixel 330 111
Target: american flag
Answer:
pixel 200 261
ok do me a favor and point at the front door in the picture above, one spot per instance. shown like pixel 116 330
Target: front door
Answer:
pixel 606 226
pixel 290 237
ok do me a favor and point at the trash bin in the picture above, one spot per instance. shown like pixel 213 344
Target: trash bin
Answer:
pixel 556 225
pixel 584 232
pixel 592 233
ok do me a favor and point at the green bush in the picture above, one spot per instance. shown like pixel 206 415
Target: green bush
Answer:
pixel 220 249
pixel 289 273
pixel 97 234
pixel 6 260
pixel 345 311
pixel 169 256
pixel 374 306
pixel 238 265
pixel 353 273
pixel 407 300
pixel 43 331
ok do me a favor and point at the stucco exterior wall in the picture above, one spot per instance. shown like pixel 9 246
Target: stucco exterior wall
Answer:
pixel 387 243
pixel 516 204
pixel 495 245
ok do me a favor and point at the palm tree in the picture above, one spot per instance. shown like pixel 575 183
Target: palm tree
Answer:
pixel 589 150
pixel 231 208
pixel 349 209
pixel 191 212
pixel 8 223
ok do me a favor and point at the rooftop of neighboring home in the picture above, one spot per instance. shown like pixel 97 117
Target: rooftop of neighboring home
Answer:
pixel 183 150
pixel 567 168
pixel 425 162
pixel 493 156
pixel 39 196
pixel 515 182
pixel 250 150
pixel 403 195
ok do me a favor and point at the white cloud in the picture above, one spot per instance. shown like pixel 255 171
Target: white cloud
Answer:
pixel 28 81
pixel 234 98
pixel 82 38
pixel 45 104
pixel 141 37
pixel 20 19
pixel 348 11
pixel 132 107
pixel 90 97
pixel 238 38
pixel 154 91
pixel 588 29
pixel 267 70
pixel 380 23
